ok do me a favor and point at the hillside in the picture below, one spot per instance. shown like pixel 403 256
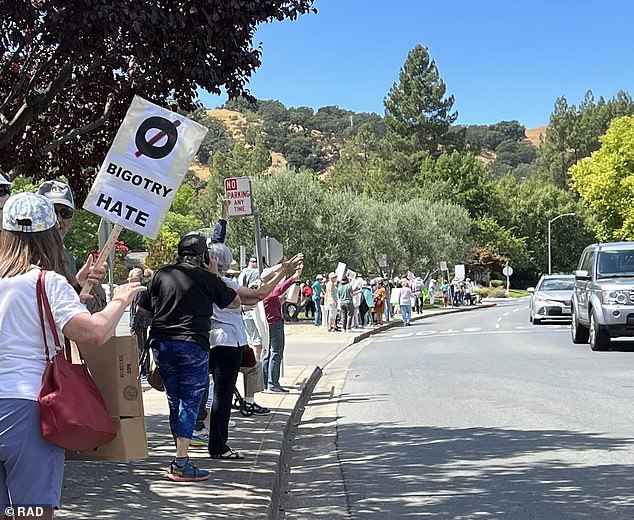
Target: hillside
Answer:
pixel 533 135
pixel 300 138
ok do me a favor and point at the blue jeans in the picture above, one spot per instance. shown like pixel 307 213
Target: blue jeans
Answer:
pixel 406 313
pixel 272 362
pixel 184 367
pixel 317 312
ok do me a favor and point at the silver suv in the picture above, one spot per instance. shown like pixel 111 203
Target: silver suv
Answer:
pixel 603 298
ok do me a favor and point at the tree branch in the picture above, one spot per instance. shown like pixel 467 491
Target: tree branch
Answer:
pixel 35 105
pixel 77 131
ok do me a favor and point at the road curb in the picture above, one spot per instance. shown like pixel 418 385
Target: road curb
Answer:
pixel 289 429
pixel 308 388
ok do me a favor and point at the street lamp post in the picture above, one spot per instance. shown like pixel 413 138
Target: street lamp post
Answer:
pixel 549 247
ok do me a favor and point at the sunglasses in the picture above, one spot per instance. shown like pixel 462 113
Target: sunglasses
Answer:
pixel 65 213
pixel 5 190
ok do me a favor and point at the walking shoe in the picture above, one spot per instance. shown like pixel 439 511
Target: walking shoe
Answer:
pixel 276 390
pixel 258 410
pixel 188 473
pixel 200 438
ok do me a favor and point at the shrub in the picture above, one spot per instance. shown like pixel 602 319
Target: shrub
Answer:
pixel 498 292
pixel 483 291
pixel 497 283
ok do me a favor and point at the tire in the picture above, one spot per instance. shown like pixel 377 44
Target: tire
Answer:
pixel 578 332
pixel 599 338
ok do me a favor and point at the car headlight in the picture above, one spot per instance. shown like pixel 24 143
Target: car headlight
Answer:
pixel 539 298
pixel 612 297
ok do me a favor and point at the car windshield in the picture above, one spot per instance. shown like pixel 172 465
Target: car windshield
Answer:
pixel 613 264
pixel 557 284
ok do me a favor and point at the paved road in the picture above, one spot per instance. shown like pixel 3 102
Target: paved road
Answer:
pixel 481 415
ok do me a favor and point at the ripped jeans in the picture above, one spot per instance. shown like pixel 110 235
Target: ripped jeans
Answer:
pixel 184 367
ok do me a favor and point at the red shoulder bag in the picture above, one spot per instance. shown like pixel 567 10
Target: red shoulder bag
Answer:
pixel 73 414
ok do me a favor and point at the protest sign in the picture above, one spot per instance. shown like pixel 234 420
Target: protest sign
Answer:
pixel 144 167
pixel 341 270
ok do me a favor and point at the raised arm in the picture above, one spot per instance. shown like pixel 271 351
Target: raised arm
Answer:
pixel 252 296
pixel 96 329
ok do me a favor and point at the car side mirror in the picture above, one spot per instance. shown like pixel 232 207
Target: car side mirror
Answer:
pixel 531 289
pixel 582 274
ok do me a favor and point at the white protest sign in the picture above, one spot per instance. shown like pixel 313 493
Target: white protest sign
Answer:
pixel 238 192
pixel 460 271
pixel 144 167
pixel 341 270
pixel 351 275
pixel 410 276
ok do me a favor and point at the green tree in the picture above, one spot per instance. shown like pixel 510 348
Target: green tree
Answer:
pixel 466 173
pixel 417 108
pixel 356 158
pixel 605 181
pixel 217 138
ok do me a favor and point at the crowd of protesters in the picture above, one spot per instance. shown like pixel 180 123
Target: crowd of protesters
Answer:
pixel 203 320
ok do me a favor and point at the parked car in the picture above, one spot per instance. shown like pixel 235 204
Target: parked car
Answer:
pixel 551 298
pixel 603 298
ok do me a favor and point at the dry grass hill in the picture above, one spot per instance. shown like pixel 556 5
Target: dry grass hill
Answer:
pixel 237 124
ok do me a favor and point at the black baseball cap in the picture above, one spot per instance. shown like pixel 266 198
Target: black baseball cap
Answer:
pixel 192 245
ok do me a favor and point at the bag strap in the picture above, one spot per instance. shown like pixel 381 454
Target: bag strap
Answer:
pixel 44 307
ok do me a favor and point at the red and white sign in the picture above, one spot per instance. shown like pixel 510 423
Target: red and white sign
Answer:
pixel 238 192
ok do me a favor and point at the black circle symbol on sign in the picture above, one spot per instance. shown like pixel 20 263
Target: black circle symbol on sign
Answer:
pixel 147 147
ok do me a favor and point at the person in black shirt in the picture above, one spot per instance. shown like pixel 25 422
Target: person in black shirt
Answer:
pixel 180 299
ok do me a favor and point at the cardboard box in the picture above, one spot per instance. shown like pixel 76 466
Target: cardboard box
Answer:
pixel 115 369
pixel 129 444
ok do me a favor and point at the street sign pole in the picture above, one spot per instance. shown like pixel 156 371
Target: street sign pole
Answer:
pixel 258 239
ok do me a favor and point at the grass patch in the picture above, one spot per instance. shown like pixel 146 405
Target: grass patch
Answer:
pixel 518 293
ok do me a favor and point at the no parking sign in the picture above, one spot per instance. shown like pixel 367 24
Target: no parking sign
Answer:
pixel 144 167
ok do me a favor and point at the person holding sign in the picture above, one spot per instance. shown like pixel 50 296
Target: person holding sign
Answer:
pixel 31 469
pixel 181 298
pixel 60 194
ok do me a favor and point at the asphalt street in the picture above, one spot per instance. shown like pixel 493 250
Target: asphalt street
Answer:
pixel 477 415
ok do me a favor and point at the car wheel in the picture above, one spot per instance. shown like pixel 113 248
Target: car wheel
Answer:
pixel 578 332
pixel 599 338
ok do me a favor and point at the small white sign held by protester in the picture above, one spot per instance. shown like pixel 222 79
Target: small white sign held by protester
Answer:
pixel 238 193
pixel 383 260
pixel 460 271
pixel 341 270
pixel 144 167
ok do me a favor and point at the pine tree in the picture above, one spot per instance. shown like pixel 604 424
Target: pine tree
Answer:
pixel 417 110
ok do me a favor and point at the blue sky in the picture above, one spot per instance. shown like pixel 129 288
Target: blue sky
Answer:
pixel 501 59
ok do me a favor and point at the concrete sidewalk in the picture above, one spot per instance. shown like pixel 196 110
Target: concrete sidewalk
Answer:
pixel 246 488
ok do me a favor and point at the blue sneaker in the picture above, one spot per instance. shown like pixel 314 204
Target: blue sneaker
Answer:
pixel 188 473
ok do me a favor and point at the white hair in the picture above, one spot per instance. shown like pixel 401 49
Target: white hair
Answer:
pixel 222 254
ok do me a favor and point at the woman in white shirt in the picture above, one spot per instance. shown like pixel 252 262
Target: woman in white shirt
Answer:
pixel 30 242
pixel 228 340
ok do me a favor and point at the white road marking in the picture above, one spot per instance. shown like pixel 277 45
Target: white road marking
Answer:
pixel 506 314
pixel 403 335
pixel 473 329
pixel 518 309
pixel 480 333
